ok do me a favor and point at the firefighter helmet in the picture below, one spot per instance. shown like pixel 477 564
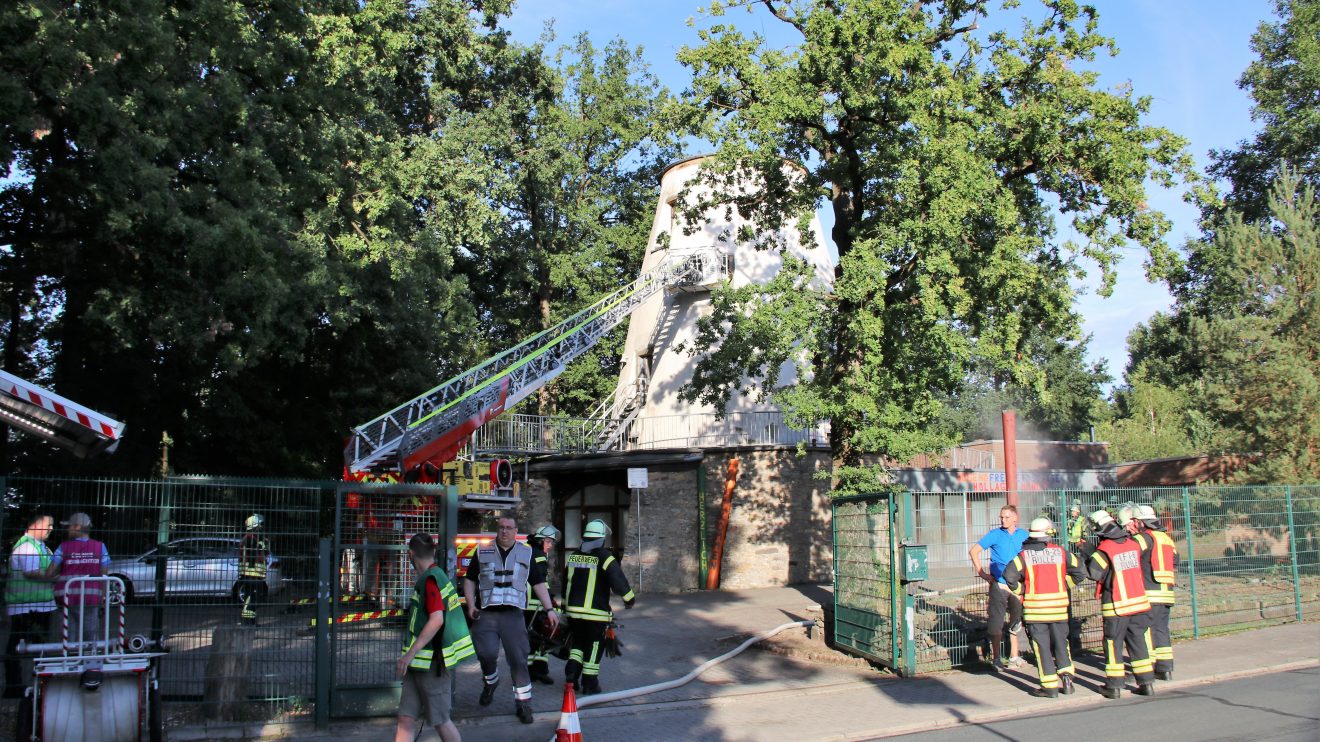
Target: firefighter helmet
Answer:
pixel 1040 528
pixel 1126 512
pixel 1101 518
pixel 1146 512
pixel 596 529
pixel 547 531
pixel 254 521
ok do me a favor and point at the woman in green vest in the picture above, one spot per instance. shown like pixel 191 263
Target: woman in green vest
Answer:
pixel 437 641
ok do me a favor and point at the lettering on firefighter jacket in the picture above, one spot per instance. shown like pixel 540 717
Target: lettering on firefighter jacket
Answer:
pixel 1041 575
pixel 1116 566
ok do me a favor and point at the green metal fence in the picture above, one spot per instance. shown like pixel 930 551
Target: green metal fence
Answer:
pixel 335 550
pixel 1248 556
pixel 865 583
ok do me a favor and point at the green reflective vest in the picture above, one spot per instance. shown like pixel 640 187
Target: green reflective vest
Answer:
pixel 20 589
pixel 453 641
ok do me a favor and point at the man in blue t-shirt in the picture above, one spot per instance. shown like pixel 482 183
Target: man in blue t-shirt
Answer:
pixel 1003 543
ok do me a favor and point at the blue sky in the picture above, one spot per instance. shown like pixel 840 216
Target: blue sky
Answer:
pixel 1185 54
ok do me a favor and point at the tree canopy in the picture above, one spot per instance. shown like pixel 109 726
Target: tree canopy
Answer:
pixel 945 153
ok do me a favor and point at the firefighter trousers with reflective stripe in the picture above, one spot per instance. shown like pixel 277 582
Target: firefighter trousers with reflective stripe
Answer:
pixel 494 628
pixel 584 657
pixel 1133 634
pixel 1160 642
pixel 1049 642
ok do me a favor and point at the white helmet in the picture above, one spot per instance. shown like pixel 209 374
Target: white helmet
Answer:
pixel 1101 518
pixel 1146 512
pixel 596 529
pixel 1126 513
pixel 254 521
pixel 547 531
pixel 1040 528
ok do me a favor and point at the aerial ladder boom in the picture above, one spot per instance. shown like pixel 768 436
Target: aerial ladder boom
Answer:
pixel 434 426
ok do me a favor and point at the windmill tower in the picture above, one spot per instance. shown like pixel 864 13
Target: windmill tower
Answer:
pixel 653 371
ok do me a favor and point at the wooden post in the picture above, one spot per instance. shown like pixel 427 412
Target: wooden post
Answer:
pixel 225 690
pixel 1009 418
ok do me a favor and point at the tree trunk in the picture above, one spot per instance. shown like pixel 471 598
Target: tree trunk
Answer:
pixel 225 692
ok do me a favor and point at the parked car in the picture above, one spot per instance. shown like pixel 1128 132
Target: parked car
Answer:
pixel 193 566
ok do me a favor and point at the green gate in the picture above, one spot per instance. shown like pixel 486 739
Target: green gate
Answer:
pixel 865 581
pixel 366 581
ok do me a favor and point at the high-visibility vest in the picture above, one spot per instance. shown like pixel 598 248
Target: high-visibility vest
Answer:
pixel 453 639
pixel 252 552
pixel 503 580
pixel 20 589
pixel 1163 562
pixel 1045 583
pixel 591 576
pixel 1123 592
pixel 79 558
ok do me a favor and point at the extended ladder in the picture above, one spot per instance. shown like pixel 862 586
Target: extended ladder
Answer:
pixel 434 426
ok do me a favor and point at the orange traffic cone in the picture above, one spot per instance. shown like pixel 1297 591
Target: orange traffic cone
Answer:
pixel 569 730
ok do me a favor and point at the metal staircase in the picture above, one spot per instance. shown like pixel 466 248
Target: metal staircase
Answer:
pixel 435 425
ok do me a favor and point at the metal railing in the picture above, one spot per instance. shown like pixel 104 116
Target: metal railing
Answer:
pixel 1247 556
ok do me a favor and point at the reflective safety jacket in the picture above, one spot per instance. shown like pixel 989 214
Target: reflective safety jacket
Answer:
pixel 1116 566
pixel 502 580
pixel 252 553
pixel 1077 530
pixel 453 640
pixel 591 576
pixel 1163 564
pixel 21 589
pixel 1041 575
pixel 540 564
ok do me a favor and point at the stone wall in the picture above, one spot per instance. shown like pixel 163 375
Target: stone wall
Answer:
pixel 779 526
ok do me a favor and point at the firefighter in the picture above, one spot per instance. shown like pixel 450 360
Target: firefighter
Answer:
pixel 592 573
pixel 1077 525
pixel 253 550
pixel 1041 575
pixel 1116 567
pixel 496 586
pixel 543 544
pixel 1161 568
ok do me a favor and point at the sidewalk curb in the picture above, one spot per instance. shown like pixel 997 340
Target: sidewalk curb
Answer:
pixel 1003 714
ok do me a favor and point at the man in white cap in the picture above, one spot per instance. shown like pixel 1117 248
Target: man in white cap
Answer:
pixel 1041 574
pixel 1116 566
pixel 80 555
pixel 1161 569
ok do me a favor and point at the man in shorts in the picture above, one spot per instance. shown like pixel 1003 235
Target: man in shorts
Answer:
pixel 437 640
pixel 1003 543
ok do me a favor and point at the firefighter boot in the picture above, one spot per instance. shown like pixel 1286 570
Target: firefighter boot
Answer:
pixel 1068 687
pixel 1108 692
pixel 1045 692
pixel 488 693
pixel 540 670
pixel 1164 674
pixel 524 709
pixel 590 685
pixel 1145 689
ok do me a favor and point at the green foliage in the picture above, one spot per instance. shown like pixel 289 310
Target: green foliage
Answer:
pixel 1282 82
pixel 942 154
pixel 1262 359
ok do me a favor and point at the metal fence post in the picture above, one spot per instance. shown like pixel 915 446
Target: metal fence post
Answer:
pixel 895 619
pixel 162 559
pixel 1292 552
pixel 1065 522
pixel 324 571
pixel 909 603
pixel 1191 561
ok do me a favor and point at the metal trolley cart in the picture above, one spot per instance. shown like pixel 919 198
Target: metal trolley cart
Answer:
pixel 94 686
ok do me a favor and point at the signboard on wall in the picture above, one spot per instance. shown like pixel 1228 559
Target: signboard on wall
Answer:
pixel 636 478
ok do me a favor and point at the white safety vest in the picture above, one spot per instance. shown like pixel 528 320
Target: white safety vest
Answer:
pixel 504 582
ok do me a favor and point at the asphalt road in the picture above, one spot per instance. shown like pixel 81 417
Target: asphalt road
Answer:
pixel 1280 706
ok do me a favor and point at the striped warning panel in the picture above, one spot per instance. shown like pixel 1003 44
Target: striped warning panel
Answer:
pixel 342 599
pixel 364 616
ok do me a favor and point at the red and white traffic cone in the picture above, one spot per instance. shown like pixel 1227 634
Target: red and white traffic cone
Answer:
pixel 569 730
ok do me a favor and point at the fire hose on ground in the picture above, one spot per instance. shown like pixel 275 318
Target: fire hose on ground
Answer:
pixel 671 684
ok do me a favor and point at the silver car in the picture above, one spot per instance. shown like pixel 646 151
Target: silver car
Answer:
pixel 193 566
